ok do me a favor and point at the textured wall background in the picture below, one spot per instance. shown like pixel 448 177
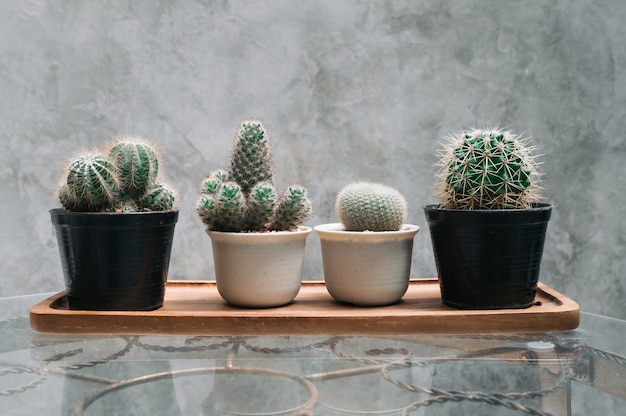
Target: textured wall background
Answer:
pixel 349 90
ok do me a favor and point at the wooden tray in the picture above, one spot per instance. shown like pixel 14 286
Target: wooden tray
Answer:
pixel 194 307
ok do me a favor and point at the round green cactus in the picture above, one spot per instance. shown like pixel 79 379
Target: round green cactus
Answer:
pixel 365 206
pixel 487 169
pixel 137 165
pixel 245 198
pixel 91 184
pixel 125 181
pixel 158 198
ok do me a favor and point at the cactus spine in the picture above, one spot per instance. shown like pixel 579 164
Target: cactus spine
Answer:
pixel 487 169
pixel 365 206
pixel 245 198
pixel 125 181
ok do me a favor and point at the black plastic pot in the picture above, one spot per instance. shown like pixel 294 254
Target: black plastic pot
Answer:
pixel 488 259
pixel 114 261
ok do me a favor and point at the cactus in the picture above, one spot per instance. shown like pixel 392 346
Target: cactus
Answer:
pixel 365 206
pixel 125 181
pixel 260 207
pixel 293 208
pixel 487 169
pixel 231 205
pixel 157 198
pixel 91 184
pixel 206 207
pixel 245 198
pixel 251 161
pixel 212 182
pixel 137 164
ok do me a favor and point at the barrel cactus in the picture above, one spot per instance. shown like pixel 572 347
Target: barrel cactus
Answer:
pixel 91 184
pixel 137 166
pixel 157 197
pixel 125 180
pixel 245 197
pixel 365 206
pixel 487 169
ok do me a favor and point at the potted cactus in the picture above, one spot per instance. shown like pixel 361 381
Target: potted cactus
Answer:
pixel 257 234
pixel 489 229
pixel 367 255
pixel 115 229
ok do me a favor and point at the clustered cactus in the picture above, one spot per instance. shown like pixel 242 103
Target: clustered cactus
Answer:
pixel 123 181
pixel 487 169
pixel 245 197
pixel 365 206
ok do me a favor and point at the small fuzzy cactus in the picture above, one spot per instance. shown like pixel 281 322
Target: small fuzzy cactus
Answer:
pixel 365 206
pixel 487 169
pixel 123 181
pixel 245 197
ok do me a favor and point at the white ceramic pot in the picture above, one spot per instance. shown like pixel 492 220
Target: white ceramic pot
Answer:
pixel 366 268
pixel 259 270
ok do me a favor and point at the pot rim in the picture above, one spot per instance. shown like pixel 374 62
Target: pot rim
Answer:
pixel 63 211
pixel 63 218
pixel 539 206
pixel 336 228
pixel 302 229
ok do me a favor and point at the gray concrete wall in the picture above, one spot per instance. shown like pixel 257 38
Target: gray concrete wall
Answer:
pixel 349 90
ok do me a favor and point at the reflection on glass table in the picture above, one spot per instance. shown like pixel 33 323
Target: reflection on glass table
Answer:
pixel 579 372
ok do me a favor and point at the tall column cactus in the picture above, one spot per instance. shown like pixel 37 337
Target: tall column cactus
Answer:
pixel 251 161
pixel 125 181
pixel 245 198
pixel 487 169
pixel 366 206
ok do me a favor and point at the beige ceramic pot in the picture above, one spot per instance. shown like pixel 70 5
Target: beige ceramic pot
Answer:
pixel 366 268
pixel 259 270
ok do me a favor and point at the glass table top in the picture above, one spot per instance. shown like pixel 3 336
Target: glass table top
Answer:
pixel 579 372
